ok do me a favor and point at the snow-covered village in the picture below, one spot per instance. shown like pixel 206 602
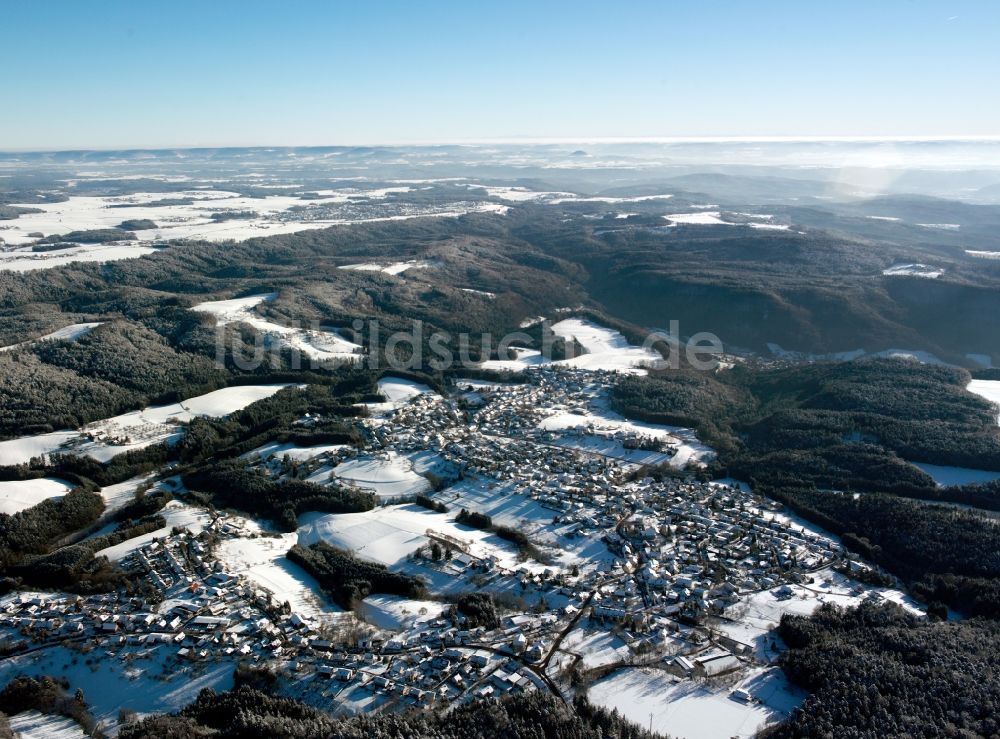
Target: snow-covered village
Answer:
pixel 556 547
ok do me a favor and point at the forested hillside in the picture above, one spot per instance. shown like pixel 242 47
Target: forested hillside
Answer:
pixel 878 672
pixel 245 713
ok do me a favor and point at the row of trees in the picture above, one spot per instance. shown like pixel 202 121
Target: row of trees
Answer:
pixel 348 579
pixel 235 484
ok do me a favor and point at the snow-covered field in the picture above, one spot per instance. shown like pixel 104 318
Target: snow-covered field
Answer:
pixel 28 261
pixel 260 556
pixel 945 476
pixel 321 345
pixel 913 270
pixel 388 476
pixel 140 429
pixel 595 648
pixel 401 391
pixel 143 685
pixel 397 392
pixel 66 333
pixel 703 218
pixel 103 440
pixel 22 450
pixel 714 218
pixel 120 495
pixel 390 534
pixel 609 199
pixel 690 710
pixel 396 613
pixel 273 215
pixel 35 725
pixel 17 495
pixel 190 221
pixel 603 423
pixel 989 389
pixel 393 268
pixel 279 450
pixel 607 349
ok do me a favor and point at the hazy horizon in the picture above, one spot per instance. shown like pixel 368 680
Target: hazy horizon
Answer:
pixel 112 75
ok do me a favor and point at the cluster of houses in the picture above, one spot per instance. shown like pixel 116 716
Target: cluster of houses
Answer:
pixel 677 555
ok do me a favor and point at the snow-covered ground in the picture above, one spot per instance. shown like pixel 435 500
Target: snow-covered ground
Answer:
pixel 273 215
pixel 315 343
pixel 390 534
pixel 602 422
pixel 595 648
pixel 66 333
pixel 395 613
pixel 524 358
pixel 913 270
pixel 388 476
pixel 714 218
pixel 191 221
pixel 120 495
pixel 609 199
pixel 692 710
pixel 989 389
pixel 35 725
pixel 397 392
pixel 757 616
pixel 22 450
pixel 103 440
pixel 702 218
pixel 177 514
pixel 945 476
pixel 393 268
pixel 28 261
pixel 279 450
pixel 520 194
pixel 607 349
pixel 401 391
pixel 17 495
pixel 260 556
pixel 143 685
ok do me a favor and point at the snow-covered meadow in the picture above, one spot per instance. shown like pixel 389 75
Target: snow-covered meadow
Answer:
pixel 690 710
pixel 260 556
pixel 66 333
pixel 913 270
pixel 17 495
pixel 391 268
pixel 989 389
pixel 203 214
pixel 606 349
pixel 103 440
pixel 390 534
pixel 316 343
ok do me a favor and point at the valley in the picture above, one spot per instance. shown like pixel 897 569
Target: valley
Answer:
pixel 375 443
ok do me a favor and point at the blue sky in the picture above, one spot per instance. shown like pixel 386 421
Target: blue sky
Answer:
pixel 117 74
